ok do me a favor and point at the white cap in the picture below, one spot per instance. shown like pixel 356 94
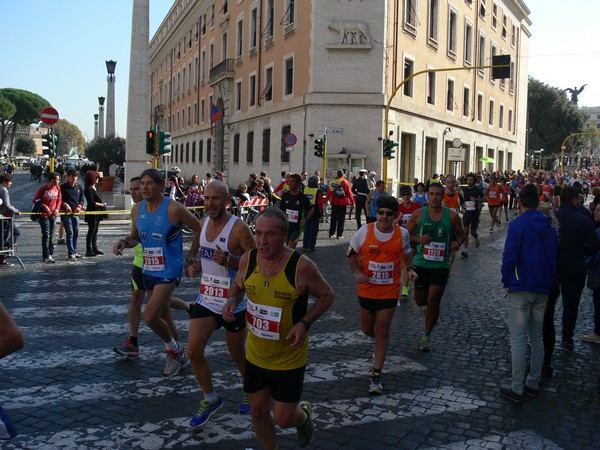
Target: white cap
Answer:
pixel 373 173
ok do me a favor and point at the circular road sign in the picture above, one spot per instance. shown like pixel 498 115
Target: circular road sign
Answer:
pixel 49 115
pixel 290 139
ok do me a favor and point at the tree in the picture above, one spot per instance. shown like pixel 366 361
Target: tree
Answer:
pixel 106 151
pixel 25 146
pixel 69 136
pixel 28 107
pixel 552 117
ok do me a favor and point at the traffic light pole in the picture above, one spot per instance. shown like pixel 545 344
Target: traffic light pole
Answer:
pixel 53 155
pixel 389 103
pixel 563 147
pixel 324 163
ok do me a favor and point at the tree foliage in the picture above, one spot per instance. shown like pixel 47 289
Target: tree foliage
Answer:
pixel 25 146
pixel 552 117
pixel 69 136
pixel 106 151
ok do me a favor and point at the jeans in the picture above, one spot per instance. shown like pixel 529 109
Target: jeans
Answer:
pixel 338 217
pixel 525 321
pixel 47 226
pixel 311 229
pixel 9 232
pixel 71 224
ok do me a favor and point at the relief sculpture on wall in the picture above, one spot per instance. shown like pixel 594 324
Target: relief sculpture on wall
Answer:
pixel 352 35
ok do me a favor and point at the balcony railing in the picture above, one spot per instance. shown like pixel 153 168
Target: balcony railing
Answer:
pixel 221 71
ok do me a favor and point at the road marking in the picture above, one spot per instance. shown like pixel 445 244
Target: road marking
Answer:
pixel 232 426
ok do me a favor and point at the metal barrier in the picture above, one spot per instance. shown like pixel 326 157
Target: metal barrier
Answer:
pixel 8 248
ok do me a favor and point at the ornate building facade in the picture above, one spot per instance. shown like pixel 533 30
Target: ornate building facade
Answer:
pixel 279 71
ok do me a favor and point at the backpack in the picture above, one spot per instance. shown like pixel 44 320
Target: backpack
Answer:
pixel 339 191
pixel 35 210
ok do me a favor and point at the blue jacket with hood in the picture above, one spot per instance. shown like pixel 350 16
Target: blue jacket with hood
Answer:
pixel 529 258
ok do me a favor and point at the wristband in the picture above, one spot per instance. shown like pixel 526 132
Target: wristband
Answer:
pixel 305 323
pixel 233 299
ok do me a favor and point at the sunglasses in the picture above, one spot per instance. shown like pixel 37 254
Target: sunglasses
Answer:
pixel 387 213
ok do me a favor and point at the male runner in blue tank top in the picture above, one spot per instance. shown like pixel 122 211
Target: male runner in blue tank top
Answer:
pixel 156 223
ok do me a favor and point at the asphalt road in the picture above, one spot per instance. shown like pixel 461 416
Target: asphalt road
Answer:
pixel 67 389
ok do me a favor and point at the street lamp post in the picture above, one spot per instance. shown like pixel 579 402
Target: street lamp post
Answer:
pixel 96 125
pixel 101 121
pixel 110 98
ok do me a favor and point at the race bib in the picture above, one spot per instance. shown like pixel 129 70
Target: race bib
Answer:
pixel 154 259
pixel 292 215
pixel 492 194
pixel 214 291
pixel 381 273
pixel 470 205
pixel 263 321
pixel 434 251
pixel 405 219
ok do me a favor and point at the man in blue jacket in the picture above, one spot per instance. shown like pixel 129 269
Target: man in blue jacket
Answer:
pixel 528 267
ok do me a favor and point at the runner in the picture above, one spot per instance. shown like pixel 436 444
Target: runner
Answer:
pixel 436 230
pixel 376 254
pixel 156 223
pixel 405 210
pixel 278 282
pixel 471 212
pixel 296 207
pixel 493 194
pixel 453 200
pixel 223 240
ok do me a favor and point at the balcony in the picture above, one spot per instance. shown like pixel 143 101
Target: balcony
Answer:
pixel 221 71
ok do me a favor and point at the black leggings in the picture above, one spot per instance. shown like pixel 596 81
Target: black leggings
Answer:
pixel 92 234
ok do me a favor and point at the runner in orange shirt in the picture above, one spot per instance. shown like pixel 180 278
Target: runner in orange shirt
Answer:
pixel 493 193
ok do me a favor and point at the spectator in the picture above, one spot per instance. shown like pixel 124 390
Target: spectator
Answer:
pixel 51 198
pixel 94 204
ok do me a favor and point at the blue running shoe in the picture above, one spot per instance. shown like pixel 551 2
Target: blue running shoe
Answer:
pixel 7 428
pixel 205 411
pixel 244 405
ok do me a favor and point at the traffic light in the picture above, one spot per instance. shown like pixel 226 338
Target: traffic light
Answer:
pixel 150 142
pixel 388 148
pixel 48 144
pixel 320 147
pixel 55 143
pixel 164 143
pixel 500 72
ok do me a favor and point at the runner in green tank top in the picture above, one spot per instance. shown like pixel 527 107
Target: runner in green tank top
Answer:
pixel 438 232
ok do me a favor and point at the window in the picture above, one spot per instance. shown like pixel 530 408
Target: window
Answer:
pixel 195 113
pixel 238 96
pixel 250 146
pixel 189 115
pixel 501 117
pixel 200 151
pixel 225 7
pixel 452 32
pixel 189 84
pixel 202 111
pixel 466 101
pixel 410 16
pixel 270 19
pixel 510 119
pixel 491 112
pixel 240 39
pixel 211 55
pixel 196 72
pixel 493 51
pixel 253 29
pixel 252 90
pixel 176 152
pixel 409 68
pixel 504 27
pixel 193 152
pixel 181 154
pixel 468 44
pixel 511 85
pixel 431 88
pixel 513 36
pixel 236 148
pixel 203 66
pixel 494 16
pixel 208 149
pixel 482 9
pixel 285 155
pixel 450 95
pixel 268 90
pixel 183 118
pixel 266 145
pixel 479 107
pixel 224 38
pixel 203 24
pixel 187 152
pixel 212 16
pixel 289 18
pixel 289 76
pixel 481 54
pixel 432 22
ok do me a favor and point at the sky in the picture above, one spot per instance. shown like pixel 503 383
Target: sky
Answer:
pixel 58 50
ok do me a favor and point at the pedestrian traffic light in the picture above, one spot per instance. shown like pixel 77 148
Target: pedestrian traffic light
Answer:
pixel 388 148
pixel 150 142
pixel 499 73
pixel 320 147
pixel 48 145
pixel 164 143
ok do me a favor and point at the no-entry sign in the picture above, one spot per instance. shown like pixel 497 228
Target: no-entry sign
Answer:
pixel 49 115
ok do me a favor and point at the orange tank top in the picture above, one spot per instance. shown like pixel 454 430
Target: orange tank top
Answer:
pixel 381 261
pixel 452 201
pixel 494 194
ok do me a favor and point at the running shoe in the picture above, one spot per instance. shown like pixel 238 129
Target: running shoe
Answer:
pixel 7 428
pixel 404 292
pixel 498 222
pixel 244 405
pixel 425 344
pixel 128 349
pixel 477 243
pixel 531 392
pixel 492 230
pixel 465 253
pixel 305 432
pixel 592 337
pixel 375 387
pixel 566 346
pixel 511 395
pixel 72 257
pixel 205 411
pixel 174 362
pixel 49 260
pixel 61 242
pixel 184 360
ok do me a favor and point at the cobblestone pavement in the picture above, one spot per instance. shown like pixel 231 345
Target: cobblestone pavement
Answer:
pixel 67 389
